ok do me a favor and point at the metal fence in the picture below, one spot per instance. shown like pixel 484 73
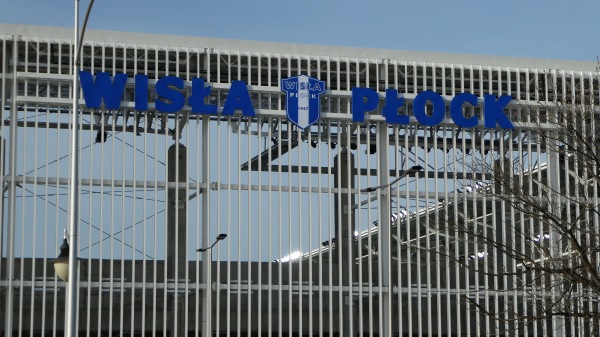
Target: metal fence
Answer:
pixel 310 249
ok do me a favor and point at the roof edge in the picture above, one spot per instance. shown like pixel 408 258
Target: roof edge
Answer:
pixel 61 33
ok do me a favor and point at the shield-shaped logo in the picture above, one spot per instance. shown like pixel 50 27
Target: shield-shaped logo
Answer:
pixel 303 99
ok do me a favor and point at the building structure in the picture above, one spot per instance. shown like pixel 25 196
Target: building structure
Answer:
pixel 311 249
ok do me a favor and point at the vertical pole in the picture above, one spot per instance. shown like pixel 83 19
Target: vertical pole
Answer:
pixel 555 202
pixel 558 323
pixel 384 229
pixel 10 233
pixel 71 318
pixel 2 202
pixel 4 96
pixel 206 264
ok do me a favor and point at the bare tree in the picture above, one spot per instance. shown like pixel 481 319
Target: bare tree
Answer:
pixel 541 258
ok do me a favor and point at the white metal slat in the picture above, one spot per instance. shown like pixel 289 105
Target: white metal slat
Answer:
pixel 593 96
pixel 23 227
pixel 449 184
pixel 259 205
pixel 88 293
pixel 270 207
pixel 321 310
pixel 437 253
pixel 123 207
pixel 10 237
pixel 186 241
pixel 3 99
pixel 111 257
pixel 159 318
pixel 249 198
pixel 461 322
pixel 134 222
pixel 175 321
pixel 427 252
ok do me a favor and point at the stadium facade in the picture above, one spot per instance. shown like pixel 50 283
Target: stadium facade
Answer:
pixel 333 171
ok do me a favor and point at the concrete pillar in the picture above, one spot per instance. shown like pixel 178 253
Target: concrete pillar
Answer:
pixel 176 212
pixel 176 233
pixel 345 226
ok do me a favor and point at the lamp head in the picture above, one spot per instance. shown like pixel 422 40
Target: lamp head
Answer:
pixel 64 248
pixel 219 238
pixel 61 263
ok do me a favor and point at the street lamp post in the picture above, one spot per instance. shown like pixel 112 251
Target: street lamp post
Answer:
pixel 71 314
pixel 206 293
pixel 384 231
pixel 70 249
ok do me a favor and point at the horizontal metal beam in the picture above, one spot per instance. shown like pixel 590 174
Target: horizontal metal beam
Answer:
pixel 147 184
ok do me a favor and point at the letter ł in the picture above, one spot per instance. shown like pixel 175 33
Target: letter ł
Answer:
pixel 392 104
pixel 199 94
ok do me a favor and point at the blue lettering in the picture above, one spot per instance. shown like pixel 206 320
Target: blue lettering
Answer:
pixel 102 88
pixel 166 93
pixel 290 85
pixel 295 86
pixel 439 108
pixel 392 104
pixel 141 92
pixel 494 112
pixel 238 99
pixel 363 101
pixel 456 110
pixel 198 96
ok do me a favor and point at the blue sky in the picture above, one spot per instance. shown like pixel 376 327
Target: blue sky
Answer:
pixel 526 28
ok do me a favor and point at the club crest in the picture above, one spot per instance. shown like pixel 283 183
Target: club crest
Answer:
pixel 303 94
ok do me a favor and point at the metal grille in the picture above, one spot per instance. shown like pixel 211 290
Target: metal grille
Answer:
pixel 307 252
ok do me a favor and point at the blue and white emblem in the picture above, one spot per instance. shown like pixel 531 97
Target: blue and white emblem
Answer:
pixel 303 99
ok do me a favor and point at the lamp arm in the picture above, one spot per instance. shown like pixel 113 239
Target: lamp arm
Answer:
pixel 207 248
pixel 373 189
pixel 82 34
